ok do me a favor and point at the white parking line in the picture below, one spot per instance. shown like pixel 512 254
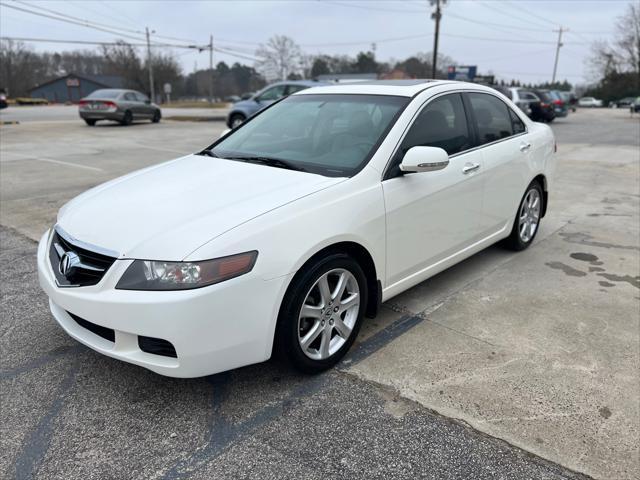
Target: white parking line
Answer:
pixel 50 160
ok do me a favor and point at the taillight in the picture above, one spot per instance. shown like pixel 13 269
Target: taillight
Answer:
pixel 82 102
pixel 544 105
pixel 558 102
pixel 109 104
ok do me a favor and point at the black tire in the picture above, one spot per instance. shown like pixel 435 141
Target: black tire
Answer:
pixel 127 119
pixel 156 117
pixel 236 120
pixel 89 122
pixel 514 241
pixel 286 343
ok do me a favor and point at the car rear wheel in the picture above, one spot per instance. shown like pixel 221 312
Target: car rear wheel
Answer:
pixel 89 122
pixel 527 221
pixel 321 313
pixel 236 120
pixel 127 119
pixel 156 116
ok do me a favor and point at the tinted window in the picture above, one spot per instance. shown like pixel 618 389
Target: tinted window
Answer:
pixel 273 93
pixel 332 135
pixel 130 97
pixel 105 94
pixel 141 97
pixel 442 124
pixel 492 117
pixel 518 126
pixel 295 88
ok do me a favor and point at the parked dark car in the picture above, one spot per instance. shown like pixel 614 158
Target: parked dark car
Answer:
pixel 3 99
pixel 265 97
pixel 560 106
pixel 625 102
pixel 123 106
pixel 546 110
pixel 525 100
pixel 635 106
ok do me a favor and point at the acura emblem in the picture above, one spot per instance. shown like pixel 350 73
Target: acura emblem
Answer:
pixel 68 262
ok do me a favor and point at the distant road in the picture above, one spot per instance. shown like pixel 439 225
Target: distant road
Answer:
pixel 61 113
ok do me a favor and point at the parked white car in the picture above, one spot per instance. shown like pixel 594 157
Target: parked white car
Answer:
pixel 589 102
pixel 286 232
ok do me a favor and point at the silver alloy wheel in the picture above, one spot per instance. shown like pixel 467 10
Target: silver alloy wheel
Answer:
pixel 237 121
pixel 529 216
pixel 328 314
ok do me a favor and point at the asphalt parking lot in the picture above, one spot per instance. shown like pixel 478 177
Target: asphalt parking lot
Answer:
pixel 506 366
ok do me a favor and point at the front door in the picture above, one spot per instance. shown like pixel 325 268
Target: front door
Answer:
pixel 431 216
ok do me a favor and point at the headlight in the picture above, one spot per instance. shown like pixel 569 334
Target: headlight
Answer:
pixel 156 275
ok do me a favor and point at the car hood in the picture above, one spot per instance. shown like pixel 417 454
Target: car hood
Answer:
pixel 167 211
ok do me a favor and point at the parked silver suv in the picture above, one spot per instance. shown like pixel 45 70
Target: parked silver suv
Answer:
pixel 123 106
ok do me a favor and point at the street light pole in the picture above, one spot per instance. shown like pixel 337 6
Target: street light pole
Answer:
pixel 210 68
pixel 437 15
pixel 151 91
pixel 555 65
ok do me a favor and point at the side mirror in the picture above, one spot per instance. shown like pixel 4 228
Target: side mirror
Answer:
pixel 424 159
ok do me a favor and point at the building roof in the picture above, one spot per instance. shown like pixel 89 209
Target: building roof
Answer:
pixel 106 81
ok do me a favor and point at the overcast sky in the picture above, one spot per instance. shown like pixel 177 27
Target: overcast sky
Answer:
pixel 511 39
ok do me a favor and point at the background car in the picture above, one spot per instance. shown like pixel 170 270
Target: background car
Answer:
pixel 547 112
pixel 570 100
pixel 3 100
pixel 528 102
pixel 123 106
pixel 589 102
pixel 622 103
pixel 560 106
pixel 635 106
pixel 265 97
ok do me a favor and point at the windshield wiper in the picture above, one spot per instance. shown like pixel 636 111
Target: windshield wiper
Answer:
pixel 272 162
pixel 208 153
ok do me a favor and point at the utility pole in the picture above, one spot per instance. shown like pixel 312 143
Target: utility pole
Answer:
pixel 437 15
pixel 151 91
pixel 210 68
pixel 555 65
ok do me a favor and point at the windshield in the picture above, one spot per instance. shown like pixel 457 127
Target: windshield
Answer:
pixel 333 135
pixel 104 93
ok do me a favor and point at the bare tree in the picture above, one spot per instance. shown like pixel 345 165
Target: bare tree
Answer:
pixel 279 58
pixel 623 54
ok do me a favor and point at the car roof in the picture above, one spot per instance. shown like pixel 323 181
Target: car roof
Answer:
pixel 402 88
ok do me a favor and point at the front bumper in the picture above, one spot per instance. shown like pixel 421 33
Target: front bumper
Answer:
pixel 213 329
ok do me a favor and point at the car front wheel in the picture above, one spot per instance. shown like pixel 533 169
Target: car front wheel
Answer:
pixel 321 313
pixel 156 116
pixel 236 120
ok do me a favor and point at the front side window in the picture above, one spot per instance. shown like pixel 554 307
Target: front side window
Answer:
pixel 333 135
pixel 492 117
pixel 141 97
pixel 274 93
pixel 443 124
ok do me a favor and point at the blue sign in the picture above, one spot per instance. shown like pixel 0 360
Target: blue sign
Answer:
pixel 462 73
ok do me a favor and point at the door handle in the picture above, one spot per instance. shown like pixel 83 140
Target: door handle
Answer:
pixel 524 146
pixel 470 167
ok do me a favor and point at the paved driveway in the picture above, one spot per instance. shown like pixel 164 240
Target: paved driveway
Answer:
pixel 506 366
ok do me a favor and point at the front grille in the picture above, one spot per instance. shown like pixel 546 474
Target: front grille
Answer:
pixel 104 332
pixel 87 267
pixel 157 346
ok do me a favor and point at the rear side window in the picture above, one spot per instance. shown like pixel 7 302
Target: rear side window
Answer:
pixel 492 117
pixel 130 97
pixel 441 124
pixel 518 126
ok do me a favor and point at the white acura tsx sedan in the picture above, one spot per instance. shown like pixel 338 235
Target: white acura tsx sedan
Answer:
pixel 282 235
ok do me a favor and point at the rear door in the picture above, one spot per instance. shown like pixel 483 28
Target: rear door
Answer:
pixel 505 149
pixel 432 215
pixel 132 104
